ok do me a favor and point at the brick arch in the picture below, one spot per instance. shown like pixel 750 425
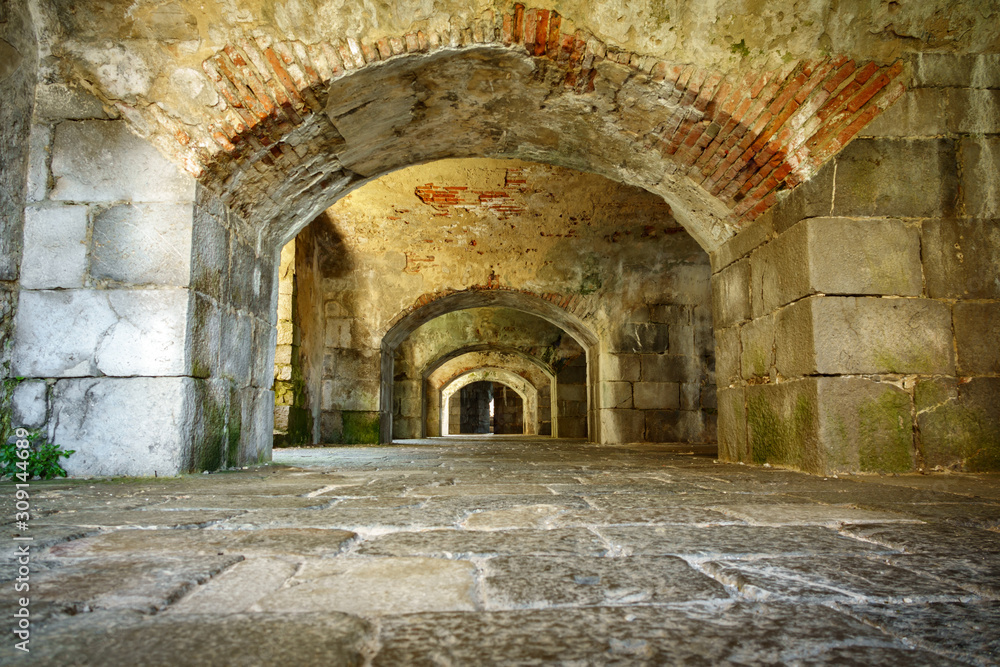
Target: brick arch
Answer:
pixel 429 306
pixel 301 124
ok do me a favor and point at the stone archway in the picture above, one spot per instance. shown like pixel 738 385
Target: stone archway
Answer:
pixel 299 125
pixel 523 388
pixel 527 368
pixel 406 323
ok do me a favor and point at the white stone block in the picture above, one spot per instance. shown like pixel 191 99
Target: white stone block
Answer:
pixel 124 426
pixel 143 244
pixel 39 147
pixel 55 247
pixel 28 405
pixel 237 345
pixel 95 160
pixel 81 333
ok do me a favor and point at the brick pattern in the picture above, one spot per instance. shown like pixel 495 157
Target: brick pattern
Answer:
pixel 743 135
pixel 503 201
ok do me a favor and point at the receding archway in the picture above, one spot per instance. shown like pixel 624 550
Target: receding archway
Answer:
pixel 538 374
pixel 524 389
pixel 407 323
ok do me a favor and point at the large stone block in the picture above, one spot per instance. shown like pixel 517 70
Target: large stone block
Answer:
pixel 863 257
pixel 29 404
pixel 244 275
pixel 206 336
pixel 350 395
pixel 957 71
pixel 836 256
pixel 921 112
pixel 618 426
pixel 827 424
pixel 682 340
pixel 977 338
pixel 256 434
pixel 354 363
pixel 897 177
pixel 641 337
pixel 59 101
pixel 980 158
pixel 97 161
pixel 865 425
pixel 732 424
pixel 811 199
pixel 338 332
pixel 613 395
pixel 124 426
pixel 668 368
pixel 236 348
pixel 81 333
pixel 727 356
pixel 670 313
pixel 959 423
pixel 851 335
pixel 739 246
pixel 783 425
pixel 731 294
pixel 39 147
pixel 55 247
pixel 209 251
pixel 757 347
pixel 578 392
pixel 674 426
pixel 212 429
pixel 779 271
pixel 962 258
pixel 143 244
pixel 929 112
pixel 619 367
pixel 656 395
pixel 264 346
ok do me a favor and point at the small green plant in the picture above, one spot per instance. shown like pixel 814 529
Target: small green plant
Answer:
pixel 41 459
pixel 740 48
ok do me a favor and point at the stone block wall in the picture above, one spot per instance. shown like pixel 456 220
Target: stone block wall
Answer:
pixel 657 379
pixel 858 323
pixel 143 333
pixel 298 359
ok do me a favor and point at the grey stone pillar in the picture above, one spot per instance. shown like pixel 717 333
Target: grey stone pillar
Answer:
pixel 140 316
pixel 857 323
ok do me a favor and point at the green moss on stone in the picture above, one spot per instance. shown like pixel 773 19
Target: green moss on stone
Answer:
pixel 360 428
pixel 590 281
pixel 659 11
pixel 961 433
pixel 233 432
pixel 209 453
pixel 757 362
pixel 6 409
pixel 885 434
pixel 740 48
pixel 776 439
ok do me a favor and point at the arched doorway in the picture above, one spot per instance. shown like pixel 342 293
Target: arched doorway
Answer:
pixel 514 300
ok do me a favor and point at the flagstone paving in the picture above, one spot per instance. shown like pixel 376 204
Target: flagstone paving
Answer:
pixel 505 551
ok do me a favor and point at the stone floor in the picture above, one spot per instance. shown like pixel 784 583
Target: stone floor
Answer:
pixel 508 551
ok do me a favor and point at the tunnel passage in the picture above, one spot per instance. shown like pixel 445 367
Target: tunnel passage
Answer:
pixel 475 408
pixel 488 407
pixel 283 128
pixel 615 335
